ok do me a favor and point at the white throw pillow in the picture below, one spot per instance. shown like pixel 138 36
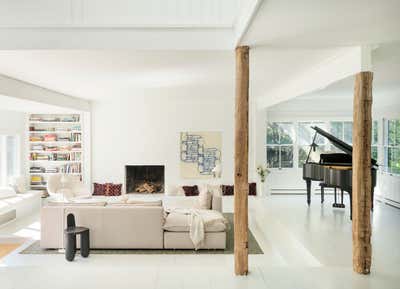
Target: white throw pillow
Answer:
pixel 215 190
pixel 204 198
pixel 18 184
pixel 173 190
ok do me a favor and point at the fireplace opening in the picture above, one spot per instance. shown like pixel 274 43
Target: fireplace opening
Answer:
pixel 144 179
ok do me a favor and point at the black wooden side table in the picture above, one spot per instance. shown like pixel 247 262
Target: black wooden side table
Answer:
pixel 70 239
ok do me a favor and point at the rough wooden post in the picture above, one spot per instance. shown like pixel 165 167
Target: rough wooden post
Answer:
pixel 362 122
pixel 241 160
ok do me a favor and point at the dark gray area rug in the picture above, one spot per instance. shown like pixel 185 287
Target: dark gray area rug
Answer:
pixel 254 247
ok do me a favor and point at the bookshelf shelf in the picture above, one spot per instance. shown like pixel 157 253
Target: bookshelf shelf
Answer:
pixel 52 137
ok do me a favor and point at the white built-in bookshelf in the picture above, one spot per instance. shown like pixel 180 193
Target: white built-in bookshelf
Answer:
pixel 55 147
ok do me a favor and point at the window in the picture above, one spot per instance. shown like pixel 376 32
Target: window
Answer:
pixel 280 139
pixel 392 146
pixel 374 140
pixel 9 156
pixel 343 130
pixel 305 136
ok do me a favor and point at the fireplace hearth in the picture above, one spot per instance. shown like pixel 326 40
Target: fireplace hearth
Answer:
pixel 144 179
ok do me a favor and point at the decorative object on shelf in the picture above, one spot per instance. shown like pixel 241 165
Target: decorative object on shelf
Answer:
pixel 200 152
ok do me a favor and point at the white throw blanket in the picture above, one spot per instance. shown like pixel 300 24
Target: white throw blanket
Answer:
pixel 199 219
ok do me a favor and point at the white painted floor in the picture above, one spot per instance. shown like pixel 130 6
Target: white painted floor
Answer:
pixel 304 248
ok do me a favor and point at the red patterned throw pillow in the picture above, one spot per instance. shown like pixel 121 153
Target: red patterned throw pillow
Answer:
pixel 98 189
pixel 190 190
pixel 107 189
pixel 113 189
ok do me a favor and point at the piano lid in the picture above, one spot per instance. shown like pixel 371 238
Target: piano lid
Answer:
pixel 337 142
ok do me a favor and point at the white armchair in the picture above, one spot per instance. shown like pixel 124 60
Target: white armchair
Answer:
pixel 67 186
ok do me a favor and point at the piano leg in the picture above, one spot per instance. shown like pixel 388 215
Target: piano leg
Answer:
pixel 308 182
pixel 372 199
pixel 322 194
pixel 351 205
pixel 335 192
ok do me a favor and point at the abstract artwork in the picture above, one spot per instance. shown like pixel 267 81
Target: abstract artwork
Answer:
pixel 200 153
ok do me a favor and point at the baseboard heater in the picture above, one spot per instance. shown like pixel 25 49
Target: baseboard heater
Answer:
pixel 8 216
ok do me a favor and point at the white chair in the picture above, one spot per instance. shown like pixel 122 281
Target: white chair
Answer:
pixel 67 186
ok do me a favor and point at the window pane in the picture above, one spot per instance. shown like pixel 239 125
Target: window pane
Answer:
pixel 303 152
pixel 273 133
pixel 305 133
pixel 394 160
pixel 286 132
pixel 320 139
pixel 348 132
pixel 337 129
pixel 286 156
pixel 11 147
pixel 374 135
pixel 374 152
pixel 397 132
pixel 391 132
pixel 273 156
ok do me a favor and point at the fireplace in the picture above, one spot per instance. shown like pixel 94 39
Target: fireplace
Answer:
pixel 144 179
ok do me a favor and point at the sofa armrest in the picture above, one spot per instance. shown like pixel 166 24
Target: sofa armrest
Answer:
pixel 52 227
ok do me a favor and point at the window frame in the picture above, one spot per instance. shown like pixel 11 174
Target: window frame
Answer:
pixel 387 146
pixel 5 175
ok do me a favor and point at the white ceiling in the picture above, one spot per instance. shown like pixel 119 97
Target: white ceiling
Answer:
pixel 316 23
pixel 339 96
pixel 99 74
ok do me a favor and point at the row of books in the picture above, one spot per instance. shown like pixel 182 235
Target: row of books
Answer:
pixel 33 128
pixel 69 118
pixel 70 168
pixel 73 156
pixel 54 148
pixel 76 136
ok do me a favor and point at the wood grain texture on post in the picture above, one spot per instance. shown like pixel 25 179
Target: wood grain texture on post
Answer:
pixel 241 161
pixel 362 125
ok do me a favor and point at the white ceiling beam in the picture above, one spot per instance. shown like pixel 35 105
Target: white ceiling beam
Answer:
pixel 247 13
pixel 10 87
pixel 347 62
pixel 108 38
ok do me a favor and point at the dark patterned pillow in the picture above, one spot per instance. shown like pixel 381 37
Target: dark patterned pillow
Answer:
pixel 252 189
pixel 190 190
pixel 227 190
pixel 98 189
pixel 113 189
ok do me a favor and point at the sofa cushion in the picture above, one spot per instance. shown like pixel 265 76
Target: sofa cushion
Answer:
pixel 156 203
pixel 171 203
pixel 80 202
pixel 176 222
pixel 204 198
pixel 7 192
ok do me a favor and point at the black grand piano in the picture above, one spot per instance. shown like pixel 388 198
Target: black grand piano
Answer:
pixel 333 170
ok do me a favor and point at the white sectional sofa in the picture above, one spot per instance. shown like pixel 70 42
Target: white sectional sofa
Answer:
pixel 134 226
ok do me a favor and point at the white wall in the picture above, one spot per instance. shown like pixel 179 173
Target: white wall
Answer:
pixel 144 129
pixel 14 123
